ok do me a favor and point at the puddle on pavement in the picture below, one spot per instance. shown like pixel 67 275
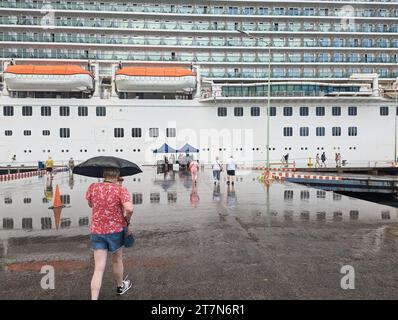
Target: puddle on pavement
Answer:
pixel 171 199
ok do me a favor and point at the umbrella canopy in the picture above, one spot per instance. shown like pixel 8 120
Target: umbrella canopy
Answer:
pixel 94 167
pixel 187 148
pixel 165 148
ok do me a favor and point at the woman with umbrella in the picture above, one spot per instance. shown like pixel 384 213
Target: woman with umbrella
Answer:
pixel 111 213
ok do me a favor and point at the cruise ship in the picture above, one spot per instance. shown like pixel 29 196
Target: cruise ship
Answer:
pixel 89 78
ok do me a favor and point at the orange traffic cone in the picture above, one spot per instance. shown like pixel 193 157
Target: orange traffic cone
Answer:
pixel 57 216
pixel 57 207
pixel 57 198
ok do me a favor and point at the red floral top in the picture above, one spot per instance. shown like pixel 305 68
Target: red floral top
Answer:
pixel 106 201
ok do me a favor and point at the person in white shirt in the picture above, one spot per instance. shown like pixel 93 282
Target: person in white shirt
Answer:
pixel 231 168
pixel 217 168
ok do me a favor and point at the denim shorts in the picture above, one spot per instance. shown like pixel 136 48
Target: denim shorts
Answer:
pixel 111 242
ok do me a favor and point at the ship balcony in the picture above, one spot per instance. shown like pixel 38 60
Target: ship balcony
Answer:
pixel 384 27
pixel 302 9
pixel 217 41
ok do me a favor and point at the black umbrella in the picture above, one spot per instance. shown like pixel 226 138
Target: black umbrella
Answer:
pixel 94 167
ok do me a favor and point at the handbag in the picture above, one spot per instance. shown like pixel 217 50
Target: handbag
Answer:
pixel 128 239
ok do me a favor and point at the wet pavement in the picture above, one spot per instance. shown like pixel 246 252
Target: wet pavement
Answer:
pixel 284 241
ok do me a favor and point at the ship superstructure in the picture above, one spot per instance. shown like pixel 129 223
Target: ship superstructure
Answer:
pixel 84 78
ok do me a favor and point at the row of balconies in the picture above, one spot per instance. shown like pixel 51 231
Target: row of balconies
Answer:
pixel 276 9
pixel 281 43
pixel 384 27
pixel 181 58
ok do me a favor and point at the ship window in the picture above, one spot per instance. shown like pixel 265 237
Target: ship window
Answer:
pixel 27 132
pixel 238 111
pixel 8 111
pixel 304 131
pixel 272 111
pixel 384 111
pixel 136 132
pixel 137 198
pixel 101 111
pixel 320 131
pixel 352 131
pixel 255 111
pixel 222 111
pixel 64 111
pixel 336 111
pixel 46 132
pixel 352 111
pixel 27 223
pixel 304 111
pixel 288 131
pixel 154 132
pixel 119 132
pixel 320 111
pixel 8 223
pixel 170 132
pixel 27 111
pixel 336 131
pixel 287 111
pixel 8 132
pixel 82 111
pixel 46 111
pixel 64 132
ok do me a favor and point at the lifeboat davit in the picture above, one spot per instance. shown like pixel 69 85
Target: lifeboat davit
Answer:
pixel 155 80
pixel 63 78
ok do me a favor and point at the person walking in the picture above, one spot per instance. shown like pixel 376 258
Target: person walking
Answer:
pixel 231 168
pixel 71 165
pixel 283 161
pixel 336 159
pixel 111 212
pixel 323 159
pixel 317 161
pixel 49 163
pixel 217 168
pixel 339 159
pixel 287 160
pixel 194 168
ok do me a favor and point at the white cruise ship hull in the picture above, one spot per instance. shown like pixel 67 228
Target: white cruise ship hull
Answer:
pixel 198 124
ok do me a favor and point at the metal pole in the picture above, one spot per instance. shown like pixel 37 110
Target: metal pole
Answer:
pixel 395 127
pixel 269 102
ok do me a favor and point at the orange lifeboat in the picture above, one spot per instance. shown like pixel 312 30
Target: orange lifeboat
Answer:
pixel 155 80
pixel 63 78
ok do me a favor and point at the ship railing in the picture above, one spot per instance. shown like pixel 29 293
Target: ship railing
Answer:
pixel 310 162
pixel 34 164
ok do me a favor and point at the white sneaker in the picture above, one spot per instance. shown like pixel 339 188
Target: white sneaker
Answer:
pixel 127 284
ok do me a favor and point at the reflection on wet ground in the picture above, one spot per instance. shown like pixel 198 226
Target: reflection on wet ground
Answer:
pixel 164 197
pixel 290 237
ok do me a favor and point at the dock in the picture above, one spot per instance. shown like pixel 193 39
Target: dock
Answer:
pixel 391 170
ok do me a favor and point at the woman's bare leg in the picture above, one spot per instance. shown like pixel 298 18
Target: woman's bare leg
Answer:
pixel 100 263
pixel 117 266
